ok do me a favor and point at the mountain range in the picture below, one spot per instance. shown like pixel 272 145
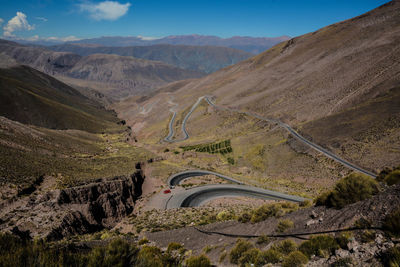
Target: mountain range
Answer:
pixel 206 59
pixel 113 75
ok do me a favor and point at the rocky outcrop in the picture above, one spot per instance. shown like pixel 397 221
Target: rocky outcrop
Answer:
pixel 98 205
pixel 77 210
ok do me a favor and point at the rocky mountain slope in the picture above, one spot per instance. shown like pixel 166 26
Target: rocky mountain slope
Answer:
pixel 76 210
pixel 115 76
pixel 316 81
pixel 254 45
pixel 122 76
pixel 205 59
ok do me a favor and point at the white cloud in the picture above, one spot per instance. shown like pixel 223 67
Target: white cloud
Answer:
pixel 17 23
pixel 106 10
pixel 41 18
pixel 1 21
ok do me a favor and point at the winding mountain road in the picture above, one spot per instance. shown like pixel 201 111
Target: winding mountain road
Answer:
pixel 197 196
pixel 295 134
pixel 177 178
pixel 301 138
pixel 171 124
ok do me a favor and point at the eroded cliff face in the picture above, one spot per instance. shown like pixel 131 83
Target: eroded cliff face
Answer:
pixel 76 210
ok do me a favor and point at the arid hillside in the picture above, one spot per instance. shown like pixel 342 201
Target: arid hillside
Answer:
pixel 343 76
pixel 32 97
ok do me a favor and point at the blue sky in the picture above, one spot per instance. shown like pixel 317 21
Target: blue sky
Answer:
pixel 71 19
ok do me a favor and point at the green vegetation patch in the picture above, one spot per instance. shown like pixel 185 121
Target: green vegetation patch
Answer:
pixel 245 253
pixel 223 147
pixel 389 176
pixel 284 225
pixel 295 258
pixel 320 245
pixel 266 211
pixel 393 177
pixel 353 188
pixel 198 261
pixel 240 248
pixel 118 252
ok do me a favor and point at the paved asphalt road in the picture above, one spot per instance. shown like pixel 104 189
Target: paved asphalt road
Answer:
pixel 197 196
pixel 177 178
pixel 171 124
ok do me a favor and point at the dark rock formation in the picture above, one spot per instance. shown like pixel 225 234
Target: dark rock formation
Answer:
pixel 98 205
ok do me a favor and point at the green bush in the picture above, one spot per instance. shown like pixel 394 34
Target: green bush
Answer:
pixel 207 249
pixel 17 252
pixel 240 248
pixel 271 256
pixel 323 199
pixel 251 256
pixel 150 256
pixel 353 188
pixel 295 258
pixel 222 256
pixel 225 216
pixel 263 239
pixel 393 177
pixel 286 246
pixel 173 246
pixel 320 245
pixel 284 225
pixel 244 217
pixel 174 255
pixel 391 257
pixel 143 241
pixel 265 211
pixel 391 223
pixel 343 239
pixel 198 261
pixel 305 204
pixel 118 253
pixel 367 236
pixel 382 174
